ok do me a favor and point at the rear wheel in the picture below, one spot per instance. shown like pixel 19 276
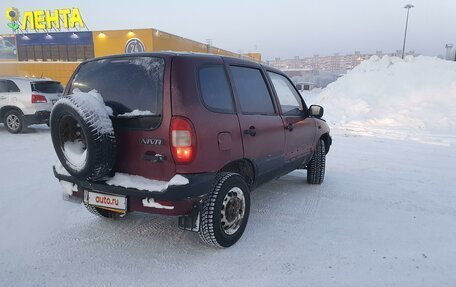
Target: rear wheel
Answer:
pixel 14 122
pixel 316 167
pixel 225 212
pixel 104 213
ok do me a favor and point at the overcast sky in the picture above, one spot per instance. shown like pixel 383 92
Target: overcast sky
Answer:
pixel 283 28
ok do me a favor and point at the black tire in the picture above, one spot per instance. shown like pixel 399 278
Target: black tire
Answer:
pixel 75 119
pixel 100 212
pixel 14 121
pixel 213 230
pixel 316 166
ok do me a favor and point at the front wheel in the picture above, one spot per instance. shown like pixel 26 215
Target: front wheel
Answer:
pixel 224 214
pixel 317 165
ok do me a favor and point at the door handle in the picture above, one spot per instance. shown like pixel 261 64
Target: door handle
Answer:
pixel 2 98
pixel 289 127
pixel 251 131
pixel 155 158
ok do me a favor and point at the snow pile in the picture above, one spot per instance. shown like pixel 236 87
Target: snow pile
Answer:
pixel 60 169
pixel 134 181
pixel 415 94
pixel 142 183
pixel 136 113
pixel 91 101
pixel 75 153
pixel 68 187
pixel 150 202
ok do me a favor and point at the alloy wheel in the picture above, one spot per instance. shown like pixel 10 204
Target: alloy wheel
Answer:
pixel 13 122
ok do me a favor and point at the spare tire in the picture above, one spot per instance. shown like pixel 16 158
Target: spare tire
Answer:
pixel 83 135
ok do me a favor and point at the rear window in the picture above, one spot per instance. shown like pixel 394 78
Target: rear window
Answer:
pixel 126 84
pixel 47 87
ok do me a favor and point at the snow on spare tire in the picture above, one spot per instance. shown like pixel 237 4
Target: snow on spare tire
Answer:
pixel 83 135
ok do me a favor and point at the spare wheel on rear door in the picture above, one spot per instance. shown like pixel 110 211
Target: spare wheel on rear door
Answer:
pixel 83 135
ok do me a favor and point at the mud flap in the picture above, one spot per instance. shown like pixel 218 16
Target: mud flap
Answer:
pixel 191 222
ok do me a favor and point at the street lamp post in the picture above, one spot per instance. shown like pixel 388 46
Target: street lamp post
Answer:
pixel 408 6
pixel 209 45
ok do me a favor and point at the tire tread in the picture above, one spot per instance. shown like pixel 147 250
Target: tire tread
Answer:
pixel 207 229
pixel 316 166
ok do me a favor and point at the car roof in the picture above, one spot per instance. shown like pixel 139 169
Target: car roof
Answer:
pixel 27 79
pixel 183 54
pixel 163 54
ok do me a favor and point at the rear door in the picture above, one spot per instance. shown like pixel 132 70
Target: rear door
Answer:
pixel 261 126
pixel 134 87
pixel 8 92
pixel 4 93
pixel 300 129
pixel 201 93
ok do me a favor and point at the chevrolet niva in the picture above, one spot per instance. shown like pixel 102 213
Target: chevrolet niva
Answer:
pixel 182 134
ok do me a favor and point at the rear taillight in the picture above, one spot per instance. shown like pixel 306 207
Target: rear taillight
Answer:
pixel 38 99
pixel 183 140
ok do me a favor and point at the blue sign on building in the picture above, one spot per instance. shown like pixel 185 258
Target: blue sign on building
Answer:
pixel 57 38
pixel 57 46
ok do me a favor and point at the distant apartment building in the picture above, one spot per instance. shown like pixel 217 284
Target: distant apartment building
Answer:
pixel 337 64
pixel 450 54
pixel 318 71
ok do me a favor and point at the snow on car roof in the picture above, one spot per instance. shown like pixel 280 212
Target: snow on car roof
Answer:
pixel 27 79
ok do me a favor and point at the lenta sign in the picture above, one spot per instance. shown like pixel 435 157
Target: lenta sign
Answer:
pixel 45 19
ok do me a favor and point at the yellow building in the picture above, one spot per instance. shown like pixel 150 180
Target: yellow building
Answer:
pixel 56 55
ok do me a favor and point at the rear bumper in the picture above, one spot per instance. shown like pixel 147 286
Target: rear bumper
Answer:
pixel 40 117
pixel 183 198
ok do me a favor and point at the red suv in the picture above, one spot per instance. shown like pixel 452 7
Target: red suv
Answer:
pixel 188 135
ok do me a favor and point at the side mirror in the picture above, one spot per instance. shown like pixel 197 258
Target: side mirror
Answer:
pixel 316 111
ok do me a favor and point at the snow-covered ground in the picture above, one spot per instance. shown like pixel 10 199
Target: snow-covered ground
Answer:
pixel 385 216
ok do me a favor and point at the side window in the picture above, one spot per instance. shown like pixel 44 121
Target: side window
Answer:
pixel 288 97
pixel 3 86
pixel 215 89
pixel 252 91
pixel 12 87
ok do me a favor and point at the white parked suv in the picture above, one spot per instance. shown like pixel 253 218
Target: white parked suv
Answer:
pixel 27 101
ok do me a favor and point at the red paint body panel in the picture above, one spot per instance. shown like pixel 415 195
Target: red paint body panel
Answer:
pixel 301 139
pixel 187 102
pixel 131 150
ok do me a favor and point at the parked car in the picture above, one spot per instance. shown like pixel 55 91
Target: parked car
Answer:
pixel 182 134
pixel 27 101
pixel 304 86
pixel 7 49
